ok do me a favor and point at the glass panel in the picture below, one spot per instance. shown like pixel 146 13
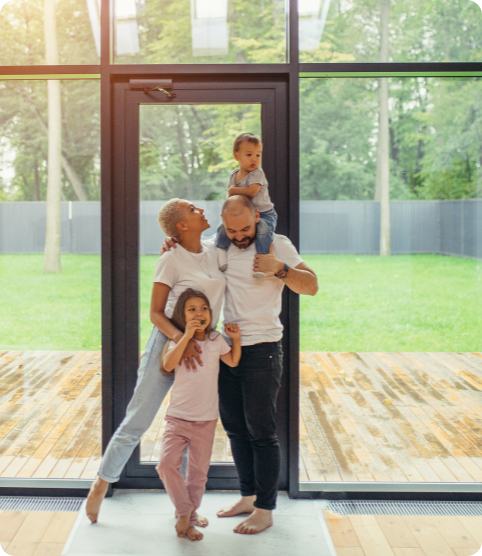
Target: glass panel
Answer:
pixel 387 31
pixel 185 152
pixel 72 29
pixel 50 336
pixel 200 31
pixel 391 221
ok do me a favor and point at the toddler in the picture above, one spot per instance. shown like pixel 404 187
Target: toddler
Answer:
pixel 249 180
pixel 193 408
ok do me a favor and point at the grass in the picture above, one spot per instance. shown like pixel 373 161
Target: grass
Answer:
pixel 401 303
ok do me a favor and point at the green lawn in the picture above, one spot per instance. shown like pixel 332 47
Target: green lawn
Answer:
pixel 401 303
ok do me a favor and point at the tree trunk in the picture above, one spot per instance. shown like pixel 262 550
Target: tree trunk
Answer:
pixel 382 184
pixel 54 164
pixel 36 182
pixel 72 175
pixel 180 141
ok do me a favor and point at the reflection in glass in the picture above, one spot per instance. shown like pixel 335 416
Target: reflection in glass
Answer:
pixel 352 31
pixel 185 152
pixel 50 342
pixel 200 31
pixel 74 25
pixel 391 363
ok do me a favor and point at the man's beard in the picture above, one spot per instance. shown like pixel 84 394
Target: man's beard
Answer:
pixel 243 246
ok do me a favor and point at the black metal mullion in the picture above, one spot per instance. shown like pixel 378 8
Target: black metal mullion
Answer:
pixel 391 67
pixel 50 70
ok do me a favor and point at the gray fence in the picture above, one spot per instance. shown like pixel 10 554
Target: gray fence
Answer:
pixel 441 227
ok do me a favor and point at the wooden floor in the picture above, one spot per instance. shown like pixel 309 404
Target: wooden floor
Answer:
pixel 391 417
pixel 376 535
pixel 364 417
pixel 35 533
pixel 45 533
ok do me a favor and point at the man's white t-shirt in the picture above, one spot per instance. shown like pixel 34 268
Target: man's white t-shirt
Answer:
pixel 180 269
pixel 252 303
pixel 194 396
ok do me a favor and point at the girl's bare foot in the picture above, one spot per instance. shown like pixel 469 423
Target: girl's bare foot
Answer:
pixel 194 534
pixel 258 521
pixel 242 506
pixel 200 521
pixel 97 493
pixel 182 525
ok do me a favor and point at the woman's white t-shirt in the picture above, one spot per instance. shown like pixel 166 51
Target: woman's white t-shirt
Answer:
pixel 180 269
pixel 194 396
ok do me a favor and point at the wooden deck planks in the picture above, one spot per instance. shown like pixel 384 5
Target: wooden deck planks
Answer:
pixel 363 417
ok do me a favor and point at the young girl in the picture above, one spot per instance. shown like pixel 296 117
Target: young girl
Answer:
pixel 193 409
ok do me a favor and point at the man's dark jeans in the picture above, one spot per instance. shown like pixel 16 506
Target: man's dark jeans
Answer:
pixel 247 404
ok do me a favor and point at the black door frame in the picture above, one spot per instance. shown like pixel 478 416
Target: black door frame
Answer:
pixel 272 93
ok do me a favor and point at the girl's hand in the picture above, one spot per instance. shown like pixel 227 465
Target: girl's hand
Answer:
pixel 192 327
pixel 232 330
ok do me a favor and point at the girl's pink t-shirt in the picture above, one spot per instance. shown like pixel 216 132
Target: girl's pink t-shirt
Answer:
pixel 194 396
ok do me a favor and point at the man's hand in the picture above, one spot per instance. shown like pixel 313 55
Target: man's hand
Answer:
pixel 168 244
pixel 191 355
pixel 268 263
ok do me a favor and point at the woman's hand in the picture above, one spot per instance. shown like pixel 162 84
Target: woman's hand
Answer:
pixel 232 330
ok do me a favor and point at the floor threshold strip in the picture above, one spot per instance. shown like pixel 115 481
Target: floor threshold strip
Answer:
pixel 39 504
pixel 402 507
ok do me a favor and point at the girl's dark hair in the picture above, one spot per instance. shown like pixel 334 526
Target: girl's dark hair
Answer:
pixel 249 137
pixel 178 318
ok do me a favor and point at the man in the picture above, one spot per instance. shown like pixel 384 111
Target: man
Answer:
pixel 248 392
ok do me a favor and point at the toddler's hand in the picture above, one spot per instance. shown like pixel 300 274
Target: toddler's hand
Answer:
pixel 232 330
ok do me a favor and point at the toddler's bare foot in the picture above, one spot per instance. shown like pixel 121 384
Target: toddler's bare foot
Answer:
pixel 97 493
pixel 258 521
pixel 194 534
pixel 242 506
pixel 200 521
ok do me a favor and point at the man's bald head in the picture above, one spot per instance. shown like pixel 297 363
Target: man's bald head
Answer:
pixel 240 218
pixel 237 204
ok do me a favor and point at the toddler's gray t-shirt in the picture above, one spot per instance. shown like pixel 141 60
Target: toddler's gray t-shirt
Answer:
pixel 261 200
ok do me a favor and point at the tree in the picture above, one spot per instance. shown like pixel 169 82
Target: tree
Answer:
pixel 382 184
pixel 54 164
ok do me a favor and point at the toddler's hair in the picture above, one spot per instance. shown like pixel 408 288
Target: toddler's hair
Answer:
pixel 249 137
pixel 178 318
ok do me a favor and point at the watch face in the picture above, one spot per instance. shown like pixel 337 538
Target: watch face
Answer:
pixel 282 274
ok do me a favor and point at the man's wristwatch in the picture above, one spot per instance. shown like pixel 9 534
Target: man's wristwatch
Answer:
pixel 283 273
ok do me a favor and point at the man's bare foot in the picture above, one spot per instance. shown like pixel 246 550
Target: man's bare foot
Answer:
pixel 194 534
pixel 258 521
pixel 97 493
pixel 200 521
pixel 182 525
pixel 242 506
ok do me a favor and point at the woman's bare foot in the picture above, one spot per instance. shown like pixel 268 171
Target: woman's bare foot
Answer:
pixel 242 506
pixel 258 521
pixel 97 493
pixel 182 525
pixel 200 521
pixel 194 534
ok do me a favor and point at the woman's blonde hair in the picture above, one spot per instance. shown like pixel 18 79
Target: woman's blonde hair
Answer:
pixel 169 215
pixel 178 318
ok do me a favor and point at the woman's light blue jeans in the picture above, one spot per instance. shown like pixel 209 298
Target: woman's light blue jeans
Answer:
pixel 151 388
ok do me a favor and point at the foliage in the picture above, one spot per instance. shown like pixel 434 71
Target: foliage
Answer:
pixel 435 143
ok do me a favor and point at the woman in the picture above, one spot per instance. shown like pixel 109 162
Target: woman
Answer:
pixel 192 264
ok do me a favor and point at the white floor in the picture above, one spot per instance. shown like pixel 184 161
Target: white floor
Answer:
pixel 141 523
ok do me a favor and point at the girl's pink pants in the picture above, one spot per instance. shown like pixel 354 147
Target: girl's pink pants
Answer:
pixel 188 493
